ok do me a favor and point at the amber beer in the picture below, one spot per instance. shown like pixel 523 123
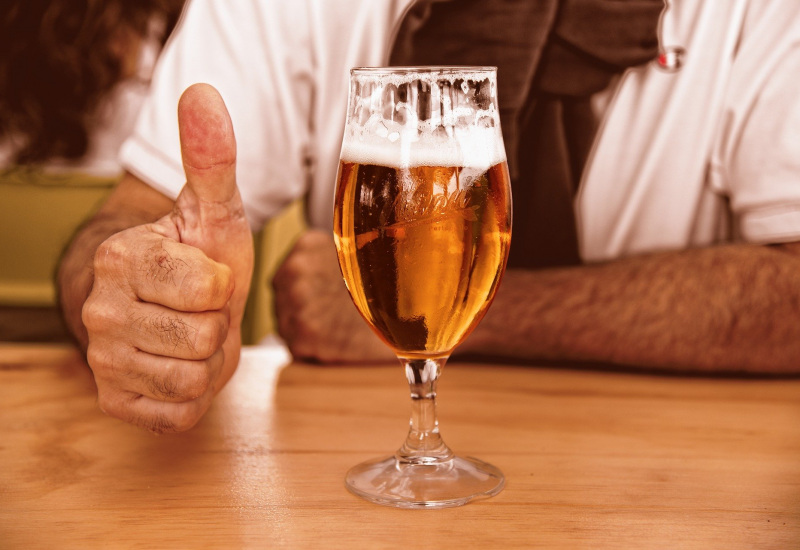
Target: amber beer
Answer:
pixel 422 248
pixel 422 228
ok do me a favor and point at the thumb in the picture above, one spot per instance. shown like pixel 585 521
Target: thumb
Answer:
pixel 209 213
pixel 208 144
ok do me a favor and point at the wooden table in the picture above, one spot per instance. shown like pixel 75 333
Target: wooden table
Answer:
pixel 592 459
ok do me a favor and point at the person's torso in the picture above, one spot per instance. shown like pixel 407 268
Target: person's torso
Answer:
pixel 655 178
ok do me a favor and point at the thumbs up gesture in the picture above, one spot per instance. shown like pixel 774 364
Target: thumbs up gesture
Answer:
pixel 165 311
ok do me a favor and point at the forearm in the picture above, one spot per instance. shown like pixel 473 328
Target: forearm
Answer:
pixel 732 308
pixel 132 203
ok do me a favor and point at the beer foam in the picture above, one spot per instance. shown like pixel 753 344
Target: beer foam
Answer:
pixel 411 116
pixel 403 75
pixel 469 148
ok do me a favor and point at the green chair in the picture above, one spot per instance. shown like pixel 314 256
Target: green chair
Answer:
pixel 39 213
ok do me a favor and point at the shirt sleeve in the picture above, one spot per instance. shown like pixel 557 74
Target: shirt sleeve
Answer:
pixel 256 54
pixel 764 165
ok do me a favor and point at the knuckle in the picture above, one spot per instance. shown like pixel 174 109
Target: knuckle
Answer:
pixel 197 383
pixel 172 331
pixel 96 315
pixel 181 381
pixel 110 254
pixel 98 359
pixel 185 417
pixel 208 286
pixel 164 386
pixel 197 287
pixel 205 345
pixel 159 424
pixel 161 265
pixel 210 335
pixel 109 403
pixel 223 279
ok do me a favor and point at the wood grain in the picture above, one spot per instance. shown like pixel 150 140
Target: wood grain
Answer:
pixel 592 459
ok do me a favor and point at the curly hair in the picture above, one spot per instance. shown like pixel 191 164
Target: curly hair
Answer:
pixel 58 59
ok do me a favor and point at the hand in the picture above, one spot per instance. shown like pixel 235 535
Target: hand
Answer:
pixel 316 316
pixel 165 311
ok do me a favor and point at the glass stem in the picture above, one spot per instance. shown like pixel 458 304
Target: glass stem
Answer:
pixel 424 444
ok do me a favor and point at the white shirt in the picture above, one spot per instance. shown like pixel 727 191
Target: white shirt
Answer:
pixel 282 68
pixel 710 153
pixel 676 155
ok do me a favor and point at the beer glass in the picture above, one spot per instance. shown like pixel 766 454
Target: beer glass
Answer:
pixel 422 224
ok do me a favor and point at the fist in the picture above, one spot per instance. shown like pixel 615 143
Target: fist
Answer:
pixel 316 316
pixel 165 311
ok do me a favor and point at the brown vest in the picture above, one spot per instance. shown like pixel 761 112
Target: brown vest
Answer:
pixel 552 56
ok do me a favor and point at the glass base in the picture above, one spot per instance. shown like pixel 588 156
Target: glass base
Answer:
pixel 444 484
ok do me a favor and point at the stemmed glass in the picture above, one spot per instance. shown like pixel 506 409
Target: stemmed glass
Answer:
pixel 422 224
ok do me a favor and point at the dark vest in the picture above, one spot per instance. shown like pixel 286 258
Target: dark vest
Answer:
pixel 552 57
